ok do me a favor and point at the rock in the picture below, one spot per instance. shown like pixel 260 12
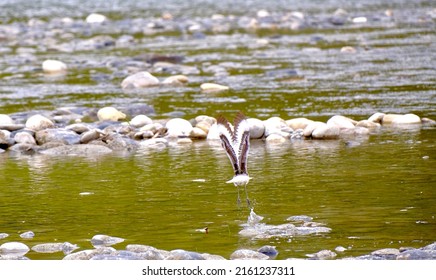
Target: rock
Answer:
pixel 198 133
pixel 79 128
pixel 5 119
pixel 176 80
pixel 140 121
pixel 348 49
pixel 257 128
pixel 322 255
pixel 376 118
pixel 91 135
pixel 14 249
pixel 184 140
pixel 65 247
pixel 213 133
pixel 110 114
pixel 298 123
pixel 3 235
pixel 417 254
pixel 340 249
pixel 276 125
pixel 154 143
pixel 27 235
pixel 203 125
pixel 88 254
pixel 24 137
pixel 425 121
pixel 178 127
pixel 184 255
pixel 212 257
pixel 268 250
pixel 368 124
pixel 140 80
pixel 77 150
pixel 38 122
pixel 244 254
pixel 320 130
pixel 5 139
pixel 61 135
pixel 404 119
pixel 275 139
pixel 341 122
pixel 51 66
pixel 388 253
pixel 95 18
pixel 206 119
pixel 211 87
pixel 117 142
pixel 101 240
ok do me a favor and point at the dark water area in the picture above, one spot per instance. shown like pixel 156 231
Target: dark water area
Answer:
pixel 279 59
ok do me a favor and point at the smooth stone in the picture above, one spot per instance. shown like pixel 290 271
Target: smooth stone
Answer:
pixel 27 235
pixel 184 255
pixel 245 254
pixel 212 87
pixel 417 254
pixel 204 118
pixel 212 257
pixel 88 254
pixel 359 20
pixel 387 253
pixel 323 255
pixel 117 142
pixel 298 123
pixel 154 143
pixel 340 249
pixel 323 131
pixel 5 138
pixel 27 149
pixel 203 125
pixel 110 114
pixel 276 125
pixel 52 66
pixel 368 124
pixel 3 235
pixel 430 247
pixel 24 137
pixel 101 240
pixel 405 119
pixel 257 128
pixel 5 119
pixel 138 248
pixel 90 135
pixel 79 128
pixel 348 49
pixel 376 118
pixel 67 137
pixel 65 247
pixel 140 80
pixel 140 121
pixel 176 80
pixel 77 150
pixel 275 139
pixel 197 133
pixel 268 250
pixel 341 122
pixel 389 118
pixel 38 122
pixel 14 249
pixel 359 130
pixel 153 127
pixel 425 121
pixel 95 18
pixel 178 127
pixel 11 127
pixel 184 140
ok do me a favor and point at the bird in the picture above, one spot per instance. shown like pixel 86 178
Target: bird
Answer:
pixel 235 139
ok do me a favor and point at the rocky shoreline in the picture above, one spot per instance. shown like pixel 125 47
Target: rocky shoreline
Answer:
pixel 87 131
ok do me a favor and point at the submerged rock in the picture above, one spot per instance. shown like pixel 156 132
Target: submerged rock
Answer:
pixel 27 235
pixel 101 240
pixel 140 80
pixel 110 114
pixel 245 254
pixel 178 127
pixel 52 66
pixel 65 247
pixel 14 249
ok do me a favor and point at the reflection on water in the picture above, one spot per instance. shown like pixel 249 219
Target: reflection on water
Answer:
pixel 380 193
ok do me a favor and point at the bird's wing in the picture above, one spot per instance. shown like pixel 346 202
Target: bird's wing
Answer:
pixel 242 144
pixel 228 139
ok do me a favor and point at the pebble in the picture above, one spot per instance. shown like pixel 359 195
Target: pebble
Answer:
pixel 211 87
pixel 178 127
pixel 140 121
pixel 27 235
pixel 14 249
pixel 141 79
pixel 24 137
pixel 90 135
pixel 245 254
pixel 95 18
pixel 342 122
pixel 5 119
pixel 178 80
pixel 3 235
pixel 110 114
pixel 65 247
pixel 59 135
pixel 101 240
pixel 322 255
pixel 298 123
pixel 268 250
pixel 38 122
pixel 276 125
pixel 51 66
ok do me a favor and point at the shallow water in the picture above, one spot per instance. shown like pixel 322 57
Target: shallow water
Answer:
pixel 374 192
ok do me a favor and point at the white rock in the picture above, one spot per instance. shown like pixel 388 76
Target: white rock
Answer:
pixel 360 20
pixel 276 125
pixel 95 18
pixel 27 235
pixel 14 248
pixel 5 119
pixel 213 133
pixel 257 128
pixel 348 49
pixel 406 119
pixel 101 240
pixel 198 133
pixel 275 139
pixel 245 254
pixel 154 143
pixel 211 87
pixel 140 121
pixel 298 123
pixel 368 124
pixel 24 138
pixel 326 132
pixel 38 122
pixel 376 118
pixel 178 127
pixel 53 66
pixel 341 122
pixel 176 80
pixel 110 114
pixel 307 132
pixel 139 80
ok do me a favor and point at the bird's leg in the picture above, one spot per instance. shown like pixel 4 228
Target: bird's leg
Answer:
pixel 239 199
pixel 246 194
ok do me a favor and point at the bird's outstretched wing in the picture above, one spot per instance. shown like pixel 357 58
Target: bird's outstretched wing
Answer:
pixel 235 141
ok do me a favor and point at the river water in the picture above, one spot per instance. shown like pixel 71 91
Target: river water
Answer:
pixel 373 191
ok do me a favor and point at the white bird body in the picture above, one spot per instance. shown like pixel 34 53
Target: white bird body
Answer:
pixel 239 180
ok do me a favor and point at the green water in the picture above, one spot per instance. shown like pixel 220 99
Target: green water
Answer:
pixel 159 198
